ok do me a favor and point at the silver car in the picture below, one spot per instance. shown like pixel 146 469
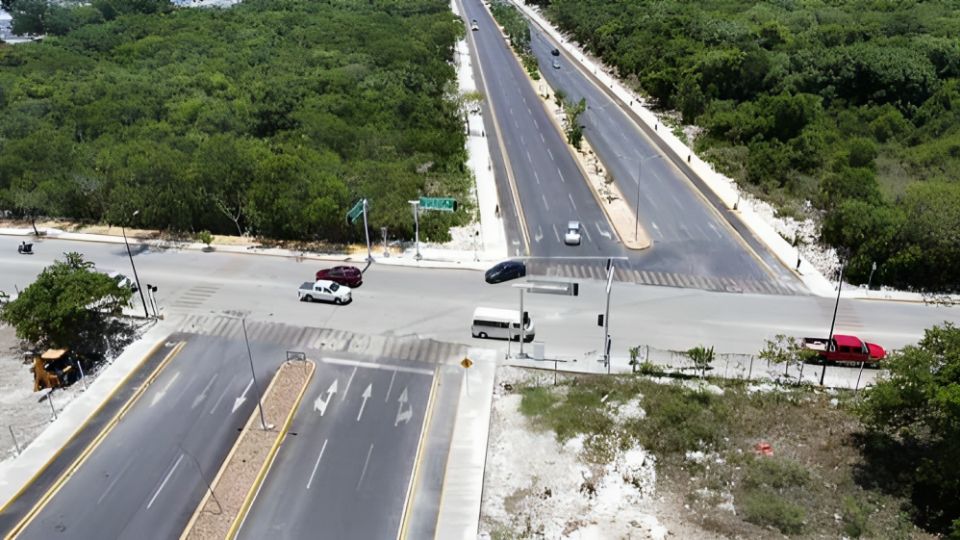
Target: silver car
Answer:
pixel 572 238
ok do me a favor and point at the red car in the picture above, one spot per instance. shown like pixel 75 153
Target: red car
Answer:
pixel 343 275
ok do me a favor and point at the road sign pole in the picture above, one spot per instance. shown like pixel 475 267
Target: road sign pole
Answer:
pixel 366 231
pixel 606 318
pixel 522 333
pixel 416 226
pixel 383 231
pixel 833 322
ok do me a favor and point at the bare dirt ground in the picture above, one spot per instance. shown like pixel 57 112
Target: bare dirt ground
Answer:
pixel 24 414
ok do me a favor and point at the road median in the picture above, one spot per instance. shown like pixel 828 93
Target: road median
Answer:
pixel 231 494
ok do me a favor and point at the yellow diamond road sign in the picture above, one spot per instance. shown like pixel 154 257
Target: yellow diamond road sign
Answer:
pixel 466 363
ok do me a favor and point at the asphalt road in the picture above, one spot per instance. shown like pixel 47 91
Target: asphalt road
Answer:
pixel 689 234
pixel 146 478
pixel 549 184
pixel 403 301
pixel 346 472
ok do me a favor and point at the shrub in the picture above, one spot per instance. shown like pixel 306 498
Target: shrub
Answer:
pixel 775 473
pixel 765 508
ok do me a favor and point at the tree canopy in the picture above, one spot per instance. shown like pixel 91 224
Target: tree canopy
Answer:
pixel 913 418
pixel 66 304
pixel 854 106
pixel 270 117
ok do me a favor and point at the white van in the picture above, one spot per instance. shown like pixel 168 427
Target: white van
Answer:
pixel 496 323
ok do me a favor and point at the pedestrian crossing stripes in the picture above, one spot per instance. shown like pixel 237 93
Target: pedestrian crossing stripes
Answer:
pixel 410 348
pixel 627 272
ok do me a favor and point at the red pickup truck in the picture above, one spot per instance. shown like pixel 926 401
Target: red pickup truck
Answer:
pixel 845 349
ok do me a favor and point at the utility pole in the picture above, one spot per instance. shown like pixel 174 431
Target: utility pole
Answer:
pixel 606 317
pixel 366 231
pixel 135 276
pixel 823 373
pixel 523 333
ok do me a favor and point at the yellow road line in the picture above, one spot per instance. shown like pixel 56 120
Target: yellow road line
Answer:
pixel 268 463
pixel 424 431
pixel 37 508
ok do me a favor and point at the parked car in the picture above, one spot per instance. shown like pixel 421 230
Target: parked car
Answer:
pixel 572 237
pixel 505 271
pixel 845 349
pixel 351 276
pixel 324 291
pixel 555 52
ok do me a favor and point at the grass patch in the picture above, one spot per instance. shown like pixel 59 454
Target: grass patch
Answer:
pixel 768 509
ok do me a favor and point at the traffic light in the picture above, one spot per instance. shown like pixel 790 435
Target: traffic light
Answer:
pixel 526 318
pixel 600 319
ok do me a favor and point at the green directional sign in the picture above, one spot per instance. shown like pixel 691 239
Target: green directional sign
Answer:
pixel 443 204
pixel 355 212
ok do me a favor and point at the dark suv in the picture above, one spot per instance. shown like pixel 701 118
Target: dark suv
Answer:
pixel 344 275
pixel 555 52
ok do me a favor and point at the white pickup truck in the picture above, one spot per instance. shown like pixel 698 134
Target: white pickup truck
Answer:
pixel 324 291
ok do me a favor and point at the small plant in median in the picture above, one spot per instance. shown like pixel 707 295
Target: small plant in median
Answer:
pixel 206 238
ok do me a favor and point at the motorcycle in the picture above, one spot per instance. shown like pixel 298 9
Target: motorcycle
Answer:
pixel 25 248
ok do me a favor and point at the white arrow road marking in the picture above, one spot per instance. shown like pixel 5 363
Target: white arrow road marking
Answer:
pixel 321 404
pixel 169 474
pixel 366 395
pixel 317 464
pixel 539 236
pixel 159 395
pixel 243 397
pixel 603 233
pixel 365 463
pixel 203 395
pixel 403 415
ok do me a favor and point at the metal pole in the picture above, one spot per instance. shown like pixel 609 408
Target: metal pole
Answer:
pixel 833 322
pixel 203 476
pixel 606 318
pixel 83 378
pixel 135 276
pixel 416 227
pixel 523 334
pixel 50 401
pixel 256 388
pixel 366 232
pixel 14 437
pixel 383 231
pixel 857 387
pixel 873 269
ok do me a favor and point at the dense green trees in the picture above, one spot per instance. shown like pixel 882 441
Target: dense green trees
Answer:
pixel 271 117
pixel 852 105
pixel 912 417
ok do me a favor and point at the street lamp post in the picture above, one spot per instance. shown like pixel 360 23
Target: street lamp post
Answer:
pixel 833 322
pixel 136 278
pixel 636 226
pixel 253 373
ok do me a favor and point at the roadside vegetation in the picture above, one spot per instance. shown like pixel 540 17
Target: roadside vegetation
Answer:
pixel 853 106
pixel 518 31
pixel 269 118
pixel 798 460
pixel 71 305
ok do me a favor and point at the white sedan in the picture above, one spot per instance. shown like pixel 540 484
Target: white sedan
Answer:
pixel 572 238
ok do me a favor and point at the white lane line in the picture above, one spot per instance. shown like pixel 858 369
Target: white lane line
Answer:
pixel 169 474
pixel 545 142
pixel 522 141
pixel 365 463
pixel 217 404
pixel 586 231
pixel 350 380
pixel 528 156
pixel 528 107
pixel 569 196
pixel 562 179
pixel 549 153
pixel 557 234
pixel 515 124
pixel 392 377
pixel 536 177
pixel 544 197
pixel 317 464
pixel 369 365
pixel 714 229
